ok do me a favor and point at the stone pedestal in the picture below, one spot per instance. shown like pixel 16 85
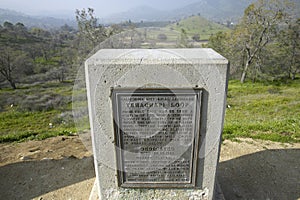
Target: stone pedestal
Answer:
pixel 136 92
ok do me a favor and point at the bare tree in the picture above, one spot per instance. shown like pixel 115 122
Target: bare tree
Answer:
pixel 7 67
pixel 89 28
pixel 258 27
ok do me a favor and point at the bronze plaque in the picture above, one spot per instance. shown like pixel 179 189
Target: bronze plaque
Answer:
pixel 157 136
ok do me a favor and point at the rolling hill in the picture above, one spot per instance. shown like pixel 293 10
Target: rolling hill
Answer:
pixel 198 25
pixel 33 21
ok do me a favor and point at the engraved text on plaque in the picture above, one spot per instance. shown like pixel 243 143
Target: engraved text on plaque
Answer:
pixel 157 136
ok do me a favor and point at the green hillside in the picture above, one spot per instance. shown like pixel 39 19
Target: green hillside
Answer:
pixel 198 25
pixel 254 110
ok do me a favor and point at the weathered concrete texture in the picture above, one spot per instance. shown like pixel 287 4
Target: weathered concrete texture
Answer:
pixel 156 68
pixel 167 195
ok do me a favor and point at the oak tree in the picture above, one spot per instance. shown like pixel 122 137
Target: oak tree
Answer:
pixel 257 28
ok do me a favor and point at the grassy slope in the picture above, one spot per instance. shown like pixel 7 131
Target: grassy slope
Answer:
pixel 26 113
pixel 270 112
pixel 198 25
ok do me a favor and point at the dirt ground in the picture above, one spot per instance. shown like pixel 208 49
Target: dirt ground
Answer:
pixel 62 168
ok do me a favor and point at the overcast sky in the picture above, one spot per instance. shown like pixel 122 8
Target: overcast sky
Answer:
pixel 102 7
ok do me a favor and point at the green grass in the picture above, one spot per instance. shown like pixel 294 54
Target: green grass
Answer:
pixel 192 26
pixel 198 25
pixel 255 110
pixel 263 111
pixel 28 112
pixel 19 126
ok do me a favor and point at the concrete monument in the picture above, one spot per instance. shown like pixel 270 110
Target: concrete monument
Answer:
pixel 156 118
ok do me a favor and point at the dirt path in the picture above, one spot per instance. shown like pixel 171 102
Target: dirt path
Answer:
pixel 56 168
pixel 260 170
pixel 62 168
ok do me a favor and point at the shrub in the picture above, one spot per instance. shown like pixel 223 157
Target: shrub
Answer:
pixel 196 37
pixel 65 118
pixel 45 102
pixel 162 37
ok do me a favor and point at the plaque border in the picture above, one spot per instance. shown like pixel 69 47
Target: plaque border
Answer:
pixel 195 147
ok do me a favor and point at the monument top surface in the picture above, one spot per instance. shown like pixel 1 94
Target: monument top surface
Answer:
pixel 157 56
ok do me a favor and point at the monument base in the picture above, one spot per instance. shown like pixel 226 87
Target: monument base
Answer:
pixel 218 195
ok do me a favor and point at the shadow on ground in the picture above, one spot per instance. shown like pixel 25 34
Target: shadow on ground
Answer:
pixel 26 180
pixel 270 174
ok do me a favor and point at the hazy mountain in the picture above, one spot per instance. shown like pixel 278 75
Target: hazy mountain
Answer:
pixel 216 10
pixel 33 21
pixel 141 13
